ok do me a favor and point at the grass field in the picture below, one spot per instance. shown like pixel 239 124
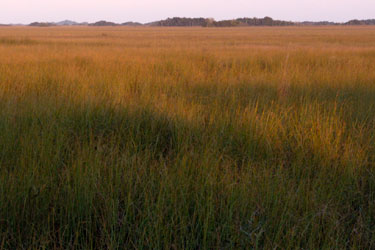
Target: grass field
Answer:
pixel 187 138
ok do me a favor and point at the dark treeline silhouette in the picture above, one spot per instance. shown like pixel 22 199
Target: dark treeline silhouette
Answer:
pixel 178 21
pixel 361 22
pixel 42 24
pixel 103 23
pixel 267 21
pixel 209 22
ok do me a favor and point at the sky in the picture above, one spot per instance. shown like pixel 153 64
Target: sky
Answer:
pixel 26 11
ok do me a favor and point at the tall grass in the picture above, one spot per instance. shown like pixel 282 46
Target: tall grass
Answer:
pixel 187 138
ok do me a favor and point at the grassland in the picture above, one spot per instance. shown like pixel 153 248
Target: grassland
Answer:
pixel 187 138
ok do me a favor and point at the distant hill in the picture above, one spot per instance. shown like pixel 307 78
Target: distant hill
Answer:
pixel 66 23
pixel 70 23
pixel 131 24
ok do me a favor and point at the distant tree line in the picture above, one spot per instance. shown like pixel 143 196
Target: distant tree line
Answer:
pixel 361 22
pixel 42 24
pixel 103 23
pixel 209 22
pixel 178 21
pixel 267 21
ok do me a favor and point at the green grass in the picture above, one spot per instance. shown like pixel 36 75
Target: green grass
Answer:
pixel 193 147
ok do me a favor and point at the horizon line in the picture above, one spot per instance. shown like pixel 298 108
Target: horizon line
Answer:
pixel 219 20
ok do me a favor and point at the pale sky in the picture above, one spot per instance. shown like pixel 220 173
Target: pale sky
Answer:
pixel 26 11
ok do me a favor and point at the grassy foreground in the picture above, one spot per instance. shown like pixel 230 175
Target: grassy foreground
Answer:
pixel 187 138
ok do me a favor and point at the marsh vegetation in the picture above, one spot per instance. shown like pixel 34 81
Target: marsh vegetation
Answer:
pixel 187 138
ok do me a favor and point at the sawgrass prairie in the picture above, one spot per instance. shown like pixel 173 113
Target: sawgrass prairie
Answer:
pixel 187 138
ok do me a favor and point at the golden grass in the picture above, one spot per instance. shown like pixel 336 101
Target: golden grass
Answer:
pixel 187 137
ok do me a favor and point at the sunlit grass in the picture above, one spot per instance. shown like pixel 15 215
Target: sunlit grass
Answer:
pixel 173 138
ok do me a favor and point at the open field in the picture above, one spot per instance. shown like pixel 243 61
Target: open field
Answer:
pixel 187 138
